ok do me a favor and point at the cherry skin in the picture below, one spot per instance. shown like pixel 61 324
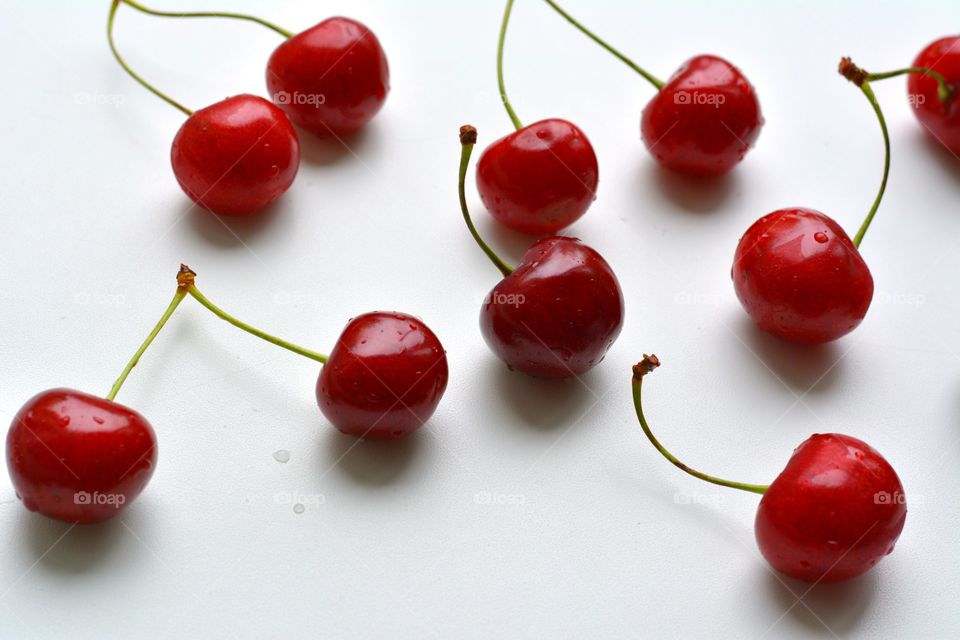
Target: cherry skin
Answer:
pixel 835 511
pixel 384 378
pixel 540 178
pixel 704 119
pixel 77 457
pixel 941 119
pixel 557 314
pixel 330 79
pixel 236 156
pixel 799 276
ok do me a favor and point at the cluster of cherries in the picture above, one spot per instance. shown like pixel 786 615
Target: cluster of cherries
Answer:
pixel 832 514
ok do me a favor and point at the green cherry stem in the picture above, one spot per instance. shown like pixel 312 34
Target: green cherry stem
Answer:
pixel 648 364
pixel 500 83
pixel 945 90
pixel 468 138
pixel 177 299
pixel 263 335
pixel 209 14
pixel 656 82
pixel 133 74
pixel 859 77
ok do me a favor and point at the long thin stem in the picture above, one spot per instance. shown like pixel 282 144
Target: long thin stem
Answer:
pixel 503 88
pixel 177 299
pixel 656 82
pixel 868 92
pixel 209 14
pixel 945 90
pixel 133 74
pixel 220 313
pixel 468 138
pixel 648 364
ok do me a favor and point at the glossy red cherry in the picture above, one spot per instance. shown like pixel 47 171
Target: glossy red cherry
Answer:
pixel 799 276
pixel 77 457
pixel 557 314
pixel 704 119
pixel 835 510
pixel 384 378
pixel 539 179
pixel 237 156
pixel 940 117
pixel 330 79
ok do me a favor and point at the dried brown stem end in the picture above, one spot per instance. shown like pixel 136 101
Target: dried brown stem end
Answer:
pixel 468 134
pixel 645 366
pixel 852 72
pixel 185 277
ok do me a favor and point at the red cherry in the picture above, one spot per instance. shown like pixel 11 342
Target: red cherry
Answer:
pixel 384 378
pixel 704 119
pixel 236 156
pixel 79 458
pixel 940 117
pixel 834 512
pixel 330 79
pixel 539 179
pixel 799 276
pixel 557 314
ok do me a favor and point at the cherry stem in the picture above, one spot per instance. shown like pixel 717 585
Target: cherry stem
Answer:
pixel 656 82
pixel 648 364
pixel 468 138
pixel 177 299
pixel 945 90
pixel 500 83
pixel 223 315
pixel 209 14
pixel 133 74
pixel 859 77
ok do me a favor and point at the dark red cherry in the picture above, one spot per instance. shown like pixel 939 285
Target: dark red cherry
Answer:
pixel 237 156
pixel 330 79
pixel 557 314
pixel 834 512
pixel 540 178
pixel 384 378
pixel 704 120
pixel 940 118
pixel 77 457
pixel 799 276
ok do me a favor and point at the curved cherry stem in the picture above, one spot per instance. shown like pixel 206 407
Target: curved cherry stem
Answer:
pixel 177 299
pixel 468 138
pixel 500 83
pixel 945 90
pixel 656 82
pixel 209 14
pixel 263 335
pixel 133 74
pixel 648 364
pixel 859 77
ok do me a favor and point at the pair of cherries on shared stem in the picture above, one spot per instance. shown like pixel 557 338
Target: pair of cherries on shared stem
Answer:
pixel 544 176
pixel 832 514
pixel 556 314
pixel 81 458
pixel 796 271
pixel 237 156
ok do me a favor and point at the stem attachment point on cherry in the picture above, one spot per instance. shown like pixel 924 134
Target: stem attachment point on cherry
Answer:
pixel 640 370
pixel 468 138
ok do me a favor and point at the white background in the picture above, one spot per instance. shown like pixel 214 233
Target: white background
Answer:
pixel 602 537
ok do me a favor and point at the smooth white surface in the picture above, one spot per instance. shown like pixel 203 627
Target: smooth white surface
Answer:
pixel 524 509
